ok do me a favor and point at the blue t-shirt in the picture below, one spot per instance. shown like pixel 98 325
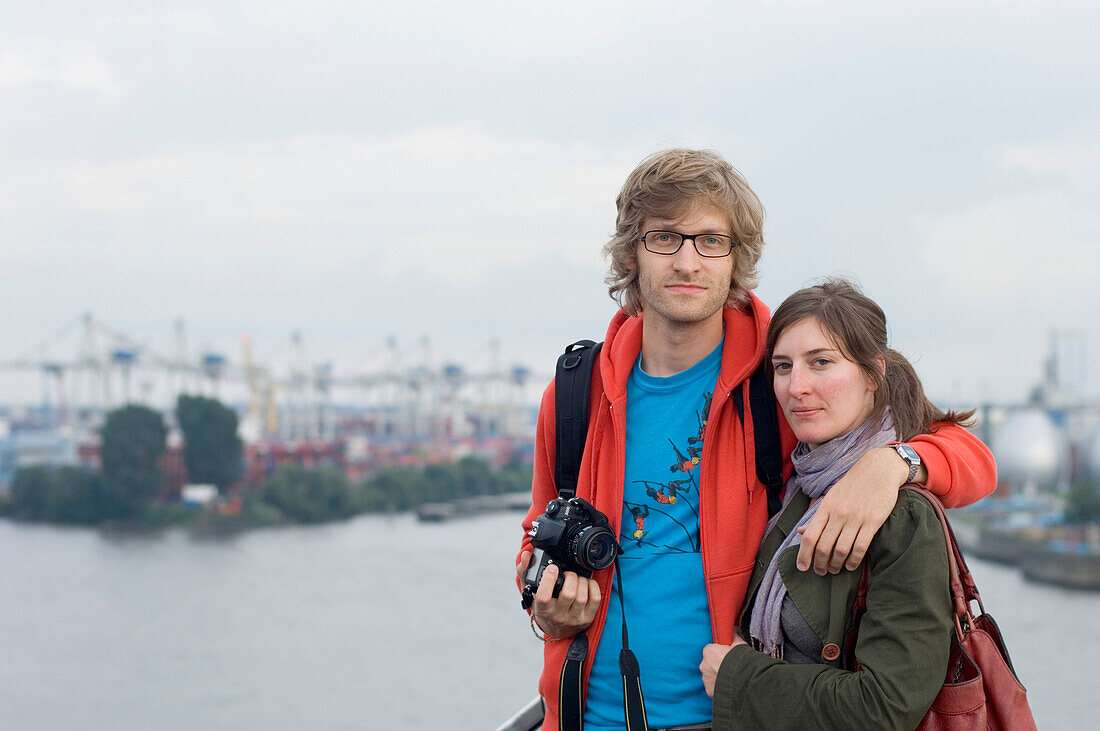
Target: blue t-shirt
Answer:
pixel 667 615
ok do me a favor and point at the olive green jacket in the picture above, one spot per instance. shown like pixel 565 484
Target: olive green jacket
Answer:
pixel 903 642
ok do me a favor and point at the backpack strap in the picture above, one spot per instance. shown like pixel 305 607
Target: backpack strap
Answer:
pixel 572 388
pixel 765 430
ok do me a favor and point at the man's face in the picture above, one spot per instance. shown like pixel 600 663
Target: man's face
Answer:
pixel 685 288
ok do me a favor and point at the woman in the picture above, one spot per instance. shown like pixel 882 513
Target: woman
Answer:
pixel 843 392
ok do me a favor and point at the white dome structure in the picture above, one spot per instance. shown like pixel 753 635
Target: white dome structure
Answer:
pixel 1032 454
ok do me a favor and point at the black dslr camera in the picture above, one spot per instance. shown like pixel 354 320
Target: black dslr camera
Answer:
pixel 573 535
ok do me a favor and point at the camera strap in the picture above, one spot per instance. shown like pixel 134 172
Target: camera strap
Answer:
pixel 633 703
pixel 570 687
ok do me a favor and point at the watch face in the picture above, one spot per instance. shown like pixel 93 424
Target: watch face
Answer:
pixel 908 453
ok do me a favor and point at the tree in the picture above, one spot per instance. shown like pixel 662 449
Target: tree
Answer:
pixel 311 496
pixel 57 494
pixel 211 445
pixel 133 439
pixel 394 488
pixel 1083 502
pixel 403 488
pixel 474 477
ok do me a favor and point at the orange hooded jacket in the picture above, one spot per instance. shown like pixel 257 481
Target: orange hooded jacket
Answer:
pixel 733 507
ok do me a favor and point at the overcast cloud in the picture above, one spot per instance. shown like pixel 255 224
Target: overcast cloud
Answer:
pixel 449 170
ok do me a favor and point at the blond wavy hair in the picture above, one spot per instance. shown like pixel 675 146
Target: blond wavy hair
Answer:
pixel 666 185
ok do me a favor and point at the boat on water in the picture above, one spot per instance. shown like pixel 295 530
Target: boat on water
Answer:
pixel 439 512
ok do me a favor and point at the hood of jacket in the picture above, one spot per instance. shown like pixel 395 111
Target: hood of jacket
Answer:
pixel 742 349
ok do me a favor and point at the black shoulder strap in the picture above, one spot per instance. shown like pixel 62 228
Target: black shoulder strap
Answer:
pixel 572 393
pixel 572 387
pixel 573 384
pixel 765 430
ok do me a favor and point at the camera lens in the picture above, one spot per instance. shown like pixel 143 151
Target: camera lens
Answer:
pixel 595 548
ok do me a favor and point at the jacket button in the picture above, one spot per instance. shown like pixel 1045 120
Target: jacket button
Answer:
pixel 830 652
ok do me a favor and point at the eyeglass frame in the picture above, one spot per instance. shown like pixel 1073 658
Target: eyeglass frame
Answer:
pixel 683 238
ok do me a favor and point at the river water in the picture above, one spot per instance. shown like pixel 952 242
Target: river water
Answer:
pixel 378 623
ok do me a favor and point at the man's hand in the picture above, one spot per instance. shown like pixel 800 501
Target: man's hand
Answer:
pixel 713 655
pixel 572 610
pixel 852 512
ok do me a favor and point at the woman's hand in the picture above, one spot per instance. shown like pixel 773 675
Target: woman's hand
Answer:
pixel 713 655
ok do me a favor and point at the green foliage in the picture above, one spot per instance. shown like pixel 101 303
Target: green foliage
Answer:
pixel 1083 503
pixel 293 494
pixel 133 439
pixel 311 496
pixel 211 447
pixel 513 478
pixel 395 488
pixel 57 494
pixel 257 513
pixel 163 516
pixel 405 488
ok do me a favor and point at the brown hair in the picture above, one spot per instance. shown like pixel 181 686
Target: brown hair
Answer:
pixel 858 328
pixel 665 185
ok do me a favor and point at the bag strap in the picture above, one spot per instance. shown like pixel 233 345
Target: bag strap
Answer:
pixel 961 581
pixel 963 589
pixel 765 432
pixel 859 608
pixel 572 389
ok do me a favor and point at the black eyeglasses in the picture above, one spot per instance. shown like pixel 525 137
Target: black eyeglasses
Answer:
pixel 667 243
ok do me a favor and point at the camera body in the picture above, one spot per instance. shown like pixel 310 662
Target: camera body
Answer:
pixel 575 536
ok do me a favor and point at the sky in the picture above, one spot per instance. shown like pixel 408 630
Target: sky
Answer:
pixel 442 175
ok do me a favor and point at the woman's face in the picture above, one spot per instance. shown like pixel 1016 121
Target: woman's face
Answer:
pixel 822 393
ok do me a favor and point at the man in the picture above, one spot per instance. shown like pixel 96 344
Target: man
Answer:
pixel 663 424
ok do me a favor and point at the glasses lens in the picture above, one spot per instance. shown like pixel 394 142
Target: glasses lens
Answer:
pixel 662 242
pixel 713 244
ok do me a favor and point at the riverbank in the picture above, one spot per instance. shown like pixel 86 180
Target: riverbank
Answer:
pixel 1057 554
pixel 293 495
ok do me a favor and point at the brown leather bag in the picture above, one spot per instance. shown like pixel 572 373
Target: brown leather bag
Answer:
pixel 981 689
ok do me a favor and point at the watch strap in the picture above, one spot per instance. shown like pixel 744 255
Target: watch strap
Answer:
pixel 911 458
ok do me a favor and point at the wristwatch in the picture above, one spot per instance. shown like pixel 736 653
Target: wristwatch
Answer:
pixel 911 458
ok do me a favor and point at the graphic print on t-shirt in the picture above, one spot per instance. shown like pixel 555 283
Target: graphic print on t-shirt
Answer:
pixel 664 510
pixel 661 568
